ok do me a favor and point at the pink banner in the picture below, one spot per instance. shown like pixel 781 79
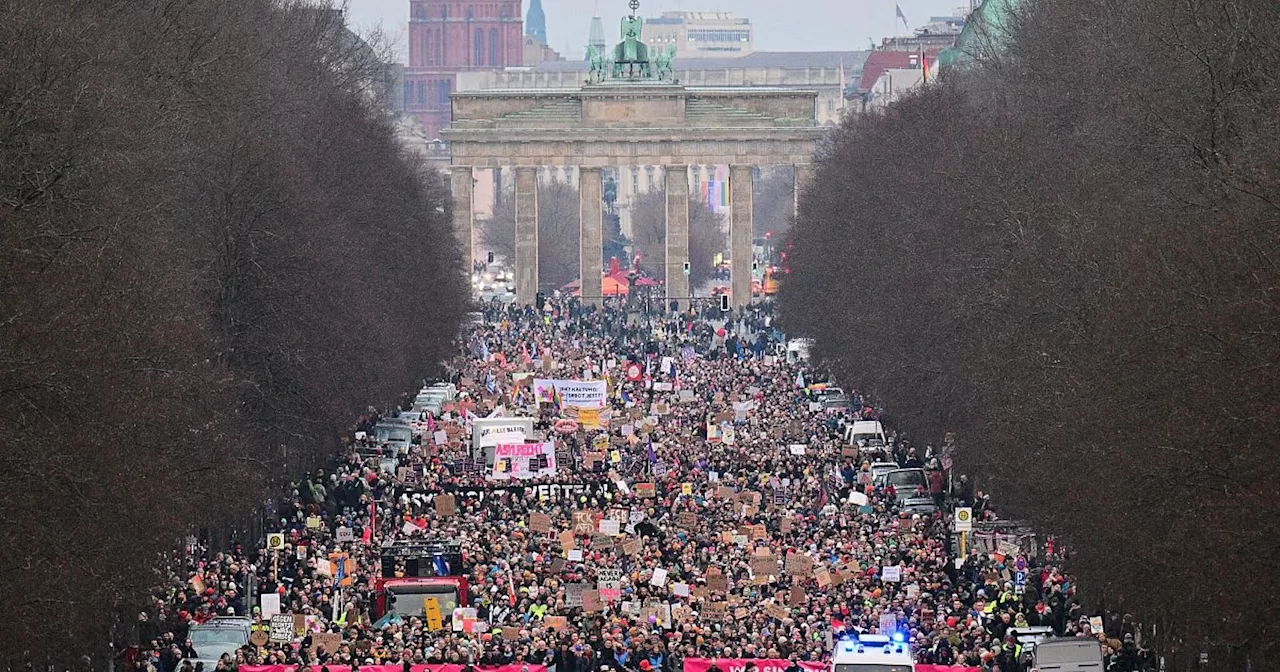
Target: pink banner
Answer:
pixel 740 664
pixel 773 665
pixel 400 668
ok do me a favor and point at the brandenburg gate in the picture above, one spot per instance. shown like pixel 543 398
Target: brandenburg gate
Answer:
pixel 629 111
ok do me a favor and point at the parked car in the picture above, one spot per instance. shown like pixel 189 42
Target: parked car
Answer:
pixel 879 469
pixel 907 483
pixel 214 638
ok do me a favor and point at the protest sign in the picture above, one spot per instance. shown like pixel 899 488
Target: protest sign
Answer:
pixel 523 460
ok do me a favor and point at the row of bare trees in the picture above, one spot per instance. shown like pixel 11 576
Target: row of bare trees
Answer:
pixel 213 255
pixel 1068 254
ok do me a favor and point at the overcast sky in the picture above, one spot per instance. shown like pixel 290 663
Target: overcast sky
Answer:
pixel 780 25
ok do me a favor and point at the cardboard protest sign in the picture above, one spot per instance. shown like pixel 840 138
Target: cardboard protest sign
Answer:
pixel 799 564
pixel 567 541
pixel 687 519
pixel 591 602
pixel 717 582
pixel 601 542
pixel 326 641
pixel 540 522
pixel 796 598
pixel 573 594
pixel 777 611
pixel 446 505
pixel 556 623
pixel 823 576
pixel 715 611
pixel 764 564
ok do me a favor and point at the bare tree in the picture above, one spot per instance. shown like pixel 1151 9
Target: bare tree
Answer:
pixel 1083 285
pixel 707 235
pixel 558 232
pixel 205 273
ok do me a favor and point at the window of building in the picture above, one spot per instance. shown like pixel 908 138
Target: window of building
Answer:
pixel 635 179
pixel 494 58
pixel 648 178
pixel 408 91
pixel 422 95
pixel 478 48
pixel 443 88
pixel 712 35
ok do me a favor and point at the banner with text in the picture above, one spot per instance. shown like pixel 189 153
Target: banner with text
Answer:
pixel 523 460
pixel 576 393
pixel 400 668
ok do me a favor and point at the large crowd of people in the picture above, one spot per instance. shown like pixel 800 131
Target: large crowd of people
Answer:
pixel 746 468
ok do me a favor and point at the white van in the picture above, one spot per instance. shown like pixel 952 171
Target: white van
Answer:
pixel 798 350
pixel 866 433
pixel 1067 654
pixel 872 653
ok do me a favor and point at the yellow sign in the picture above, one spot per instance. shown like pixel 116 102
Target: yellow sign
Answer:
pixel 431 607
pixel 686 488
pixel 615 457
pixel 589 418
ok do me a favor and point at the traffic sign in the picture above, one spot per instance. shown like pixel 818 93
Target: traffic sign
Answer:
pixel 964 519
pixel 275 541
pixel 634 372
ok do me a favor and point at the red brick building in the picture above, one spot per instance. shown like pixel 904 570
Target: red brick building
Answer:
pixel 451 36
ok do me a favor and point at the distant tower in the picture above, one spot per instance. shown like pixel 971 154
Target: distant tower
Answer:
pixel 595 38
pixel 451 36
pixel 535 24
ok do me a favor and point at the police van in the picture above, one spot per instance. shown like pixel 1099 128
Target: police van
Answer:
pixel 872 653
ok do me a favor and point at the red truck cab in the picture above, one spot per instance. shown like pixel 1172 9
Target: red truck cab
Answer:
pixel 414 570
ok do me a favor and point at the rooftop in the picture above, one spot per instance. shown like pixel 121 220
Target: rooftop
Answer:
pixel 879 61
pixel 852 61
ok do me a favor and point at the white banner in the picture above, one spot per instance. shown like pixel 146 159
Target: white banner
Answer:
pixel 523 460
pixel 487 432
pixel 576 393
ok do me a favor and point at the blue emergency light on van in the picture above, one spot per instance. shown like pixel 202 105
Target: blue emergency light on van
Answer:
pixel 873 653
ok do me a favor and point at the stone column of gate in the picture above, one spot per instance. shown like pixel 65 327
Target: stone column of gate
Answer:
pixel 526 234
pixel 741 180
pixel 591 237
pixel 462 184
pixel 803 172
pixel 677 183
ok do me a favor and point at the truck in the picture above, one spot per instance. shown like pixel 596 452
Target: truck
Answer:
pixel 415 569
pixel 865 652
